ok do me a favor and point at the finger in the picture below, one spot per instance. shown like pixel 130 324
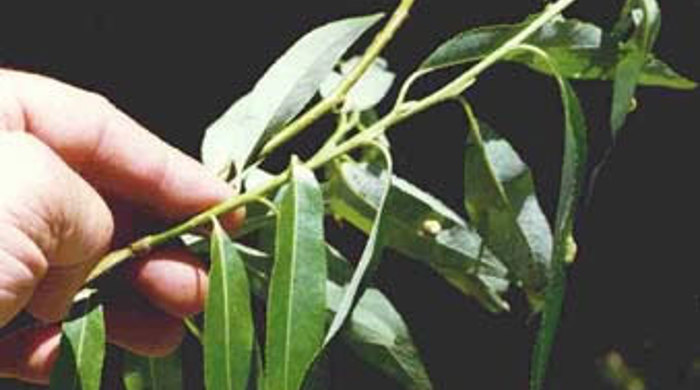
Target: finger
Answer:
pixel 53 228
pixel 172 280
pixel 30 354
pixel 110 149
pixel 140 328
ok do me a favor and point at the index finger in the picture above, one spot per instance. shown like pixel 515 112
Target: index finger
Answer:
pixel 113 152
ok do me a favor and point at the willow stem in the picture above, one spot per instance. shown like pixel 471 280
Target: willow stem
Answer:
pixel 401 111
pixel 327 104
pixel 147 243
pixel 194 330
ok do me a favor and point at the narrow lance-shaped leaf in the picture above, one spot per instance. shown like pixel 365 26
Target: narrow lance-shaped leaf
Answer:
pixel 228 320
pixel 370 88
pixel 375 330
pixel 377 333
pixel 572 177
pixel 287 86
pixel 423 228
pixel 82 351
pixel 369 260
pixel 297 295
pixel 646 18
pixel 153 373
pixel 494 211
pixel 582 51
pixel 420 227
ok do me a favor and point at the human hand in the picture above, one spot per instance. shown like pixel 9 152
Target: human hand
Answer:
pixel 77 177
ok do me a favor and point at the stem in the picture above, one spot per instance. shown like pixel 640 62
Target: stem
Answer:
pixel 145 244
pixel 110 261
pixel 194 330
pixel 345 124
pixel 403 92
pixel 403 110
pixel 400 112
pixel 461 83
pixel 327 104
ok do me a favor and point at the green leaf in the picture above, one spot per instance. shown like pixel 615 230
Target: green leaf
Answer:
pixel 369 260
pixel 375 330
pixel 581 50
pixel 227 146
pixel 377 333
pixel 645 16
pixel 82 351
pixel 297 295
pixel 369 90
pixel 354 193
pixel 452 249
pixel 572 177
pixel 500 199
pixel 285 89
pixel 228 320
pixel 626 78
pixel 149 373
pixel 573 173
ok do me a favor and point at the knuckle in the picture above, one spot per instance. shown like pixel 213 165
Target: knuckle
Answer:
pixel 11 113
pixel 100 103
pixel 20 254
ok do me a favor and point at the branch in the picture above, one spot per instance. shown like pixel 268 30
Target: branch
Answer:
pixel 398 114
pixel 327 104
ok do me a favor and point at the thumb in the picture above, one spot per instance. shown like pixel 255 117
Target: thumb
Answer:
pixel 53 228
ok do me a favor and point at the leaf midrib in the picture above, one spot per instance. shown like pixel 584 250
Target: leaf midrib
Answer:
pixel 152 373
pixel 294 188
pixel 79 350
pixel 227 325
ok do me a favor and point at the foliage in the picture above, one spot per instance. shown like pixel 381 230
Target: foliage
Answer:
pixel 501 240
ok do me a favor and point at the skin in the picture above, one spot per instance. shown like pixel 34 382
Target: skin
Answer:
pixel 79 178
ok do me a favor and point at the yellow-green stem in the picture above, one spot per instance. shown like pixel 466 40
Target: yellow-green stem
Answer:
pixel 327 104
pixel 399 113
pixel 147 243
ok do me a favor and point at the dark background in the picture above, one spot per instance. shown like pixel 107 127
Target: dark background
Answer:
pixel 634 287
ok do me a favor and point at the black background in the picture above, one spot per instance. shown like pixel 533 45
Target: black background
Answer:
pixel 634 287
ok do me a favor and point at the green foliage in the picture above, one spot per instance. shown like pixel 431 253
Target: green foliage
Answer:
pixel 312 293
pixel 572 177
pixel 297 292
pixel 452 249
pixel 582 51
pixel 369 260
pixel 280 95
pixel 375 331
pixel 369 90
pixel 149 373
pixel 228 320
pixel 79 366
pixel 499 197
pixel 644 16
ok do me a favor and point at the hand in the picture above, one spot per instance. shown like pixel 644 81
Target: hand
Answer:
pixel 78 176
